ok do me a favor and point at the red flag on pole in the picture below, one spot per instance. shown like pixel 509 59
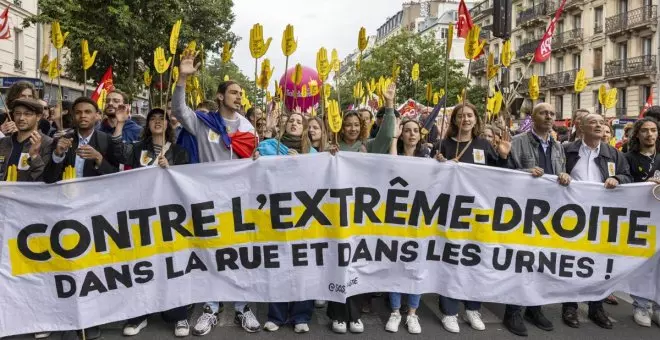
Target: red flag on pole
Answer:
pixel 649 103
pixel 105 86
pixel 5 33
pixel 545 46
pixel 464 20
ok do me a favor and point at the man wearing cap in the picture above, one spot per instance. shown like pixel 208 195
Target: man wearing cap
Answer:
pixel 26 151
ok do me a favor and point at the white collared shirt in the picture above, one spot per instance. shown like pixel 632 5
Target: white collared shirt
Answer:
pixel 80 162
pixel 586 169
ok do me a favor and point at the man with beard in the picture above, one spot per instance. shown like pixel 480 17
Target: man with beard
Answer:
pixel 26 151
pixel 643 160
pixel 591 160
pixel 131 131
pixel 211 137
pixel 536 152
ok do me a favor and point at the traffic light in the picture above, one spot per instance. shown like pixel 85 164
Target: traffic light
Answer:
pixel 502 19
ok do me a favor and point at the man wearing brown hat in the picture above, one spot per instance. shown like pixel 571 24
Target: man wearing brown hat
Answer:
pixel 25 153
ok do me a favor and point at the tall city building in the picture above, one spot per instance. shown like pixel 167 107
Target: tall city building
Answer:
pixel 614 41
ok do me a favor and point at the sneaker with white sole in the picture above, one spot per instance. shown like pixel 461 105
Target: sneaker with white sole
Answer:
pixel 271 326
pixel 338 327
pixel 393 322
pixel 301 328
pixel 182 328
pixel 205 322
pixel 656 317
pixel 320 303
pixel 412 321
pixel 134 326
pixel 41 335
pixel 247 320
pixel 473 318
pixel 642 317
pixel 450 323
pixel 356 327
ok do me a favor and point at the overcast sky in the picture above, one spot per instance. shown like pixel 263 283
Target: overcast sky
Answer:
pixel 318 23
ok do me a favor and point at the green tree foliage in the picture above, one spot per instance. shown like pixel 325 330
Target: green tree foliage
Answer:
pixel 404 50
pixel 126 32
pixel 214 73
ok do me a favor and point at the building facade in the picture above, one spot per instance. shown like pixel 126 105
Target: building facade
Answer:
pixel 615 42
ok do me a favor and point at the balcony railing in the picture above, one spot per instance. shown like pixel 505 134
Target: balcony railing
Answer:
pixel 566 39
pixel 570 4
pixel 538 11
pixel 647 15
pixel 481 8
pixel 527 48
pixel 18 64
pixel 561 79
pixel 642 65
pixel 478 66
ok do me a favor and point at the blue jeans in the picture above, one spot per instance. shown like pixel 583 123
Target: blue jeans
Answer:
pixel 413 300
pixel 449 306
pixel 297 312
pixel 642 303
pixel 215 306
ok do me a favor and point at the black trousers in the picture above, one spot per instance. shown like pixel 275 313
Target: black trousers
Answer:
pixel 593 305
pixel 510 309
pixel 349 311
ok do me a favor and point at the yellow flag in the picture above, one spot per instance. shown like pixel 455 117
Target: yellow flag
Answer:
pixel 415 72
pixel 534 87
pixel 363 41
pixel 602 95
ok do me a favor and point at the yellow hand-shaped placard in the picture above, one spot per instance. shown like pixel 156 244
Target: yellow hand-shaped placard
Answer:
pixel 174 36
pixel 160 63
pixel 289 42
pixel 87 59
pixel 258 47
pixel 56 36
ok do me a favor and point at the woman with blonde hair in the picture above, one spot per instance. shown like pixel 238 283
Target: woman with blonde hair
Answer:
pixel 318 135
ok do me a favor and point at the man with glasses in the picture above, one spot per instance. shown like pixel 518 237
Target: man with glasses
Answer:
pixel 27 150
pixel 538 153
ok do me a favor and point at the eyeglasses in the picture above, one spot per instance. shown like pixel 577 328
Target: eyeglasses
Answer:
pixel 24 113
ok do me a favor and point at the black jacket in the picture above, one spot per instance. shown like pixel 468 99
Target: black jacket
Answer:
pixel 607 154
pixel 34 167
pixel 131 154
pixel 100 141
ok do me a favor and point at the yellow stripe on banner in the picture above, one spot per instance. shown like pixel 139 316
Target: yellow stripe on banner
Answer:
pixel 478 232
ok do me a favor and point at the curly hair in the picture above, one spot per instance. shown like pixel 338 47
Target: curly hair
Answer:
pixel 634 144
pixel 363 125
pixel 15 91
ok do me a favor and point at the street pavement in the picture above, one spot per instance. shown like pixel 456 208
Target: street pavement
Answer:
pixel 621 315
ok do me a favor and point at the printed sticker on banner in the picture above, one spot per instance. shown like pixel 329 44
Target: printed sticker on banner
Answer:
pixel 2 160
pixel 145 159
pixel 24 161
pixel 214 137
pixel 478 156
pixel 611 168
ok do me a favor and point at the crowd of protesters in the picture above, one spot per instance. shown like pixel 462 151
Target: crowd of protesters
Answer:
pixel 79 139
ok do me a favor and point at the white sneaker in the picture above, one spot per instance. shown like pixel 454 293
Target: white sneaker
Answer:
pixel 271 326
pixel 41 335
pixel 450 323
pixel 338 327
pixel 412 321
pixel 130 329
pixel 642 317
pixel 182 328
pixel 473 317
pixel 247 320
pixel 205 322
pixel 656 317
pixel 356 327
pixel 393 322
pixel 320 303
pixel 301 328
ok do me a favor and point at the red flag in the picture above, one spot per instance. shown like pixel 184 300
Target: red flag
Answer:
pixel 649 103
pixel 5 33
pixel 545 46
pixel 105 86
pixel 464 20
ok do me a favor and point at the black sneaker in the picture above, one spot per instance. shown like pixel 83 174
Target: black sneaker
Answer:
pixel 599 317
pixel 514 323
pixel 534 315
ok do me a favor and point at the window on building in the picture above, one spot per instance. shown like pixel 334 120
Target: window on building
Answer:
pixel 621 107
pixel 598 62
pixel 577 61
pixel 596 104
pixel 623 6
pixel 542 69
pixel 18 48
pixel 518 73
pixel 560 64
pixel 444 33
pixel 645 92
pixel 577 21
pixel 598 16
pixel 559 105
pixel 518 41
pixel 646 46
pixel 576 99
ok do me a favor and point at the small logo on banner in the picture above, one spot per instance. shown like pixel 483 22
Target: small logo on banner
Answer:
pixel 478 156
pixel 23 161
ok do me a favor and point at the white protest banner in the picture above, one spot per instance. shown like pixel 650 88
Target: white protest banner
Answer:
pixel 98 250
